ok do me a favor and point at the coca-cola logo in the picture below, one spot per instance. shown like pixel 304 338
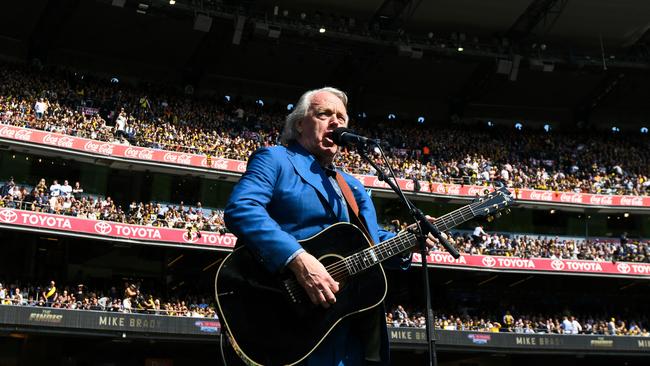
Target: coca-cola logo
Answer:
pixel 7 132
pixel 623 267
pixel 61 141
pixel 241 167
pixel 571 197
pixel 377 183
pixel 220 164
pixel 474 191
pixel 8 216
pixel 631 201
pixel 50 139
pixel 145 154
pixel 190 237
pixel 131 152
pixel 557 264
pixel 23 135
pixel 185 159
pixel 170 157
pixel 541 195
pixel 601 200
pixel 440 189
pixel 102 227
pixel 489 261
pixel 92 146
pixel 409 185
pixel 454 190
pixel 66 142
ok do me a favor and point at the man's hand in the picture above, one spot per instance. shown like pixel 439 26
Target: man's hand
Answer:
pixel 431 240
pixel 313 277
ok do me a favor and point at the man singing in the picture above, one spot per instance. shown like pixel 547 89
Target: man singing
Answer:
pixel 290 193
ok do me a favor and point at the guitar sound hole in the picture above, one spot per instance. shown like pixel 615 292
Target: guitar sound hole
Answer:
pixel 339 272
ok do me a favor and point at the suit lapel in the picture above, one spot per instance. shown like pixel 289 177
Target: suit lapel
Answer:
pixel 310 171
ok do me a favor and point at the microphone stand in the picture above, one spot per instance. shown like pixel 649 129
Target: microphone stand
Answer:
pixel 424 227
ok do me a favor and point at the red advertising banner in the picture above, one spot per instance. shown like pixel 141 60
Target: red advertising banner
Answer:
pixel 114 230
pixel 150 234
pixel 536 264
pixel 201 161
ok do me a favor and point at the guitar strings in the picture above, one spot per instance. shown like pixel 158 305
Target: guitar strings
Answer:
pixel 341 269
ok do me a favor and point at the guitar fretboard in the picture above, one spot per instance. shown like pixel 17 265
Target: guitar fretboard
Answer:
pixel 400 243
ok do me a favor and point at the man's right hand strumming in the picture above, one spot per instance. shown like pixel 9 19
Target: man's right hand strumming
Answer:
pixel 313 277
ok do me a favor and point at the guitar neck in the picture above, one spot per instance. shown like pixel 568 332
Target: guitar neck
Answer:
pixel 403 242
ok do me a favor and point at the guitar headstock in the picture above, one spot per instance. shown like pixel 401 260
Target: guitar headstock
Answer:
pixel 491 204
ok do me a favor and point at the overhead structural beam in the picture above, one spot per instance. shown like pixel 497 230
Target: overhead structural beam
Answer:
pixel 642 36
pixel 543 13
pixel 610 82
pixel 393 14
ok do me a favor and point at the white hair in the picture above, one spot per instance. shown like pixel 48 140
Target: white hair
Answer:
pixel 290 133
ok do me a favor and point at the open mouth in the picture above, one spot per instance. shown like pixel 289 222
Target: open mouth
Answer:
pixel 328 137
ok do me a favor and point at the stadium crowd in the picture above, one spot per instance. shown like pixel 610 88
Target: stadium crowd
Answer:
pixel 580 161
pixel 540 246
pixel 128 299
pixel 519 323
pixel 525 246
pixel 63 199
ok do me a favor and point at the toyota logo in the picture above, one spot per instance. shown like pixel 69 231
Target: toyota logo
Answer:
pixel 190 237
pixel 557 265
pixel 623 267
pixel 103 228
pixel 489 261
pixel 8 216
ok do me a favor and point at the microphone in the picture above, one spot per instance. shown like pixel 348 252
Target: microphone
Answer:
pixel 344 136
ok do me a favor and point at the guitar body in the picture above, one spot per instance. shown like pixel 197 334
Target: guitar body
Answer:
pixel 268 325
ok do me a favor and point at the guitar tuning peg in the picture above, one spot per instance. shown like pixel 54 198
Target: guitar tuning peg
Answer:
pixel 506 211
pixel 490 218
pixel 486 191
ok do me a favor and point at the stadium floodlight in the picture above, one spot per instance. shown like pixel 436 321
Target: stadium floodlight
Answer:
pixel 391 116
pixel 260 102
pixel 362 115
pixel 518 126
pixel 226 98
pixel 322 30
pixel 289 107
pixel 490 124
pixel 460 49
pixel 115 80
pixel 172 2
pixel 420 119
pixel 547 128
pixel 644 130
pixel 552 211
pixel 626 215
pixel 616 129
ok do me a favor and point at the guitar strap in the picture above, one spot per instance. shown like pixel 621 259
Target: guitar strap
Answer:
pixel 355 218
pixel 368 325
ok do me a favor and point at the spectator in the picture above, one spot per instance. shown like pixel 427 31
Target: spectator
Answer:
pixel 65 189
pixel 55 189
pixel 478 235
pixel 50 295
pixel 77 191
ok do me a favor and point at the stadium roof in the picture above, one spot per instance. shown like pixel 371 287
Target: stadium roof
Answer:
pixel 536 59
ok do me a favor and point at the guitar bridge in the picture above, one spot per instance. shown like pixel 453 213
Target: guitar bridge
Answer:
pixel 292 289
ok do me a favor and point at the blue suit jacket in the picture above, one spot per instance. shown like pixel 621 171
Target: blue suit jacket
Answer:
pixel 284 196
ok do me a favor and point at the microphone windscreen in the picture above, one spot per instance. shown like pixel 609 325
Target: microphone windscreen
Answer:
pixel 337 135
